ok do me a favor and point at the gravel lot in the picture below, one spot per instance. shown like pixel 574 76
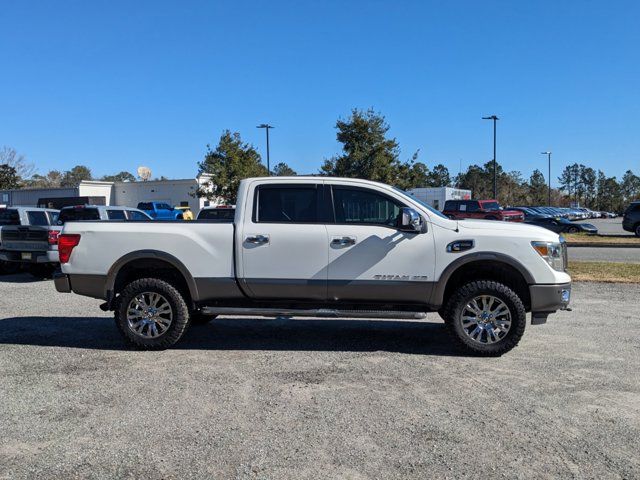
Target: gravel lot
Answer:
pixel 259 398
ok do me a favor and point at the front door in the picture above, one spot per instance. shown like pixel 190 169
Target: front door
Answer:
pixel 284 244
pixel 370 259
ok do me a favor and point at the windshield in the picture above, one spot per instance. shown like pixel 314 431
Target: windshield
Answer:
pixel 490 206
pixel 9 216
pixel 425 205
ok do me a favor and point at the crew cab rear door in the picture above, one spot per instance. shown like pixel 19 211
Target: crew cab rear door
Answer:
pixel 284 244
pixel 370 259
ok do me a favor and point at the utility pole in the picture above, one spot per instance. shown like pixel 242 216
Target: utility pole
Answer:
pixel 548 154
pixel 266 126
pixel 495 177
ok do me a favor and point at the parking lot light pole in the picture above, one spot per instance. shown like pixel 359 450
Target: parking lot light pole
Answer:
pixel 548 154
pixel 495 177
pixel 266 126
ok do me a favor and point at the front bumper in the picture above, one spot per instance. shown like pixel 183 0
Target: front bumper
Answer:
pixel 546 299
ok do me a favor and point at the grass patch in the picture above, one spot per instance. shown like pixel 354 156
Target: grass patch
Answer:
pixel 608 272
pixel 614 240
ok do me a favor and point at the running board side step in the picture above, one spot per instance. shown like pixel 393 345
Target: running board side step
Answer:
pixel 316 312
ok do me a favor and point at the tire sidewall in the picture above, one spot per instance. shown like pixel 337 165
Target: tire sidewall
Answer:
pixel 179 323
pixel 473 289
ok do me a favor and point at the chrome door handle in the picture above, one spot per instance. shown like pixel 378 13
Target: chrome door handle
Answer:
pixel 257 239
pixel 343 241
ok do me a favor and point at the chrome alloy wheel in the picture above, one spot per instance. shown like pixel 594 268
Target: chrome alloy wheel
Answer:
pixel 149 315
pixel 486 319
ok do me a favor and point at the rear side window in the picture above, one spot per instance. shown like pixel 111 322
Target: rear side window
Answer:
pixel 145 206
pixel 361 206
pixel 37 218
pixel 469 207
pixel 217 214
pixel 116 215
pixel 135 215
pixel 77 214
pixel 451 205
pixel 164 206
pixel 290 204
pixel 9 216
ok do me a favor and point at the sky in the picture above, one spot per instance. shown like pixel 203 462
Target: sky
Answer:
pixel 118 84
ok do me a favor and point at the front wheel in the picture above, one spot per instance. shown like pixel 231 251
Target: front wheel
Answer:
pixel 485 318
pixel 151 314
pixel 638 230
pixel 491 217
pixel 573 230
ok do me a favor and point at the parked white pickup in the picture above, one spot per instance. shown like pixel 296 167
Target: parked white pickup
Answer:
pixel 319 246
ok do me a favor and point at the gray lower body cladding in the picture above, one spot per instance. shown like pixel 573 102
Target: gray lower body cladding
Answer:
pixel 550 298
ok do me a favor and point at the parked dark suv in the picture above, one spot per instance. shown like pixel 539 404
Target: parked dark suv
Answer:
pixel 480 209
pixel 631 219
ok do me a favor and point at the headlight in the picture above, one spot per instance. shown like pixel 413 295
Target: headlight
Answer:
pixel 553 253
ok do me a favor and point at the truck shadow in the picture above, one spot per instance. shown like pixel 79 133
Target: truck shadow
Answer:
pixel 411 337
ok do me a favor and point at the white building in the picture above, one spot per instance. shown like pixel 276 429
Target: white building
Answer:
pixel 436 196
pixel 129 194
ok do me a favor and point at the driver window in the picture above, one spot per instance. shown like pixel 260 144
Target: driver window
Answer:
pixel 358 206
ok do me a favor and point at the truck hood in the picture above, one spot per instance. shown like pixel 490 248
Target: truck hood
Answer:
pixel 515 229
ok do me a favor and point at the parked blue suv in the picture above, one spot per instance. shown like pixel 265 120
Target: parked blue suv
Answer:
pixel 160 211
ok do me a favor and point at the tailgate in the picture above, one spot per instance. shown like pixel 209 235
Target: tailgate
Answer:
pixel 24 238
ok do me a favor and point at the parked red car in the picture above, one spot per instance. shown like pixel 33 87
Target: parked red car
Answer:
pixel 480 209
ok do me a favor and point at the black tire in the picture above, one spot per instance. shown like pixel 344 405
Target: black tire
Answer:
pixel 637 230
pixel 491 217
pixel 199 318
pixel 42 271
pixel 463 296
pixel 573 230
pixel 9 268
pixel 180 314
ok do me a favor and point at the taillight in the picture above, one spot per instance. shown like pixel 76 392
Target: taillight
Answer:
pixel 66 244
pixel 53 237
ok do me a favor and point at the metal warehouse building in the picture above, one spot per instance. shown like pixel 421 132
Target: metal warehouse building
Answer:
pixel 173 192
pixel 438 195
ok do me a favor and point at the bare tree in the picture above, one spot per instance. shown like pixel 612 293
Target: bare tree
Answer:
pixel 9 156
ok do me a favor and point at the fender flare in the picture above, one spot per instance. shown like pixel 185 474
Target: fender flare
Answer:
pixel 437 296
pixel 153 255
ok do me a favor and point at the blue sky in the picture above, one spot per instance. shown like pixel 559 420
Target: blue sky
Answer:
pixel 114 85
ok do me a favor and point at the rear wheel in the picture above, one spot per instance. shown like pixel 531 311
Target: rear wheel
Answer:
pixel 637 231
pixel 485 318
pixel 151 314
pixel 42 271
pixel 9 268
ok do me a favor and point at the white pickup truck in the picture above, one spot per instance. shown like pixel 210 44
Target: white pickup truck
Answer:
pixel 320 246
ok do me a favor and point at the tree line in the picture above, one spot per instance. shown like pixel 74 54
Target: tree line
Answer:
pixel 367 151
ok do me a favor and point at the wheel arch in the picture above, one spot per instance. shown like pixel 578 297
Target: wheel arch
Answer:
pixel 136 264
pixel 483 266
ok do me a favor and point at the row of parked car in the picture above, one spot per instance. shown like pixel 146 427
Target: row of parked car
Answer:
pixel 555 219
pixel 29 235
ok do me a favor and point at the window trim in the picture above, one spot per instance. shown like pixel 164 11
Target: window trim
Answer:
pixel 320 217
pixel 332 217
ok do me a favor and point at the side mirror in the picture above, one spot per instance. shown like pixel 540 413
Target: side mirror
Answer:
pixel 410 220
